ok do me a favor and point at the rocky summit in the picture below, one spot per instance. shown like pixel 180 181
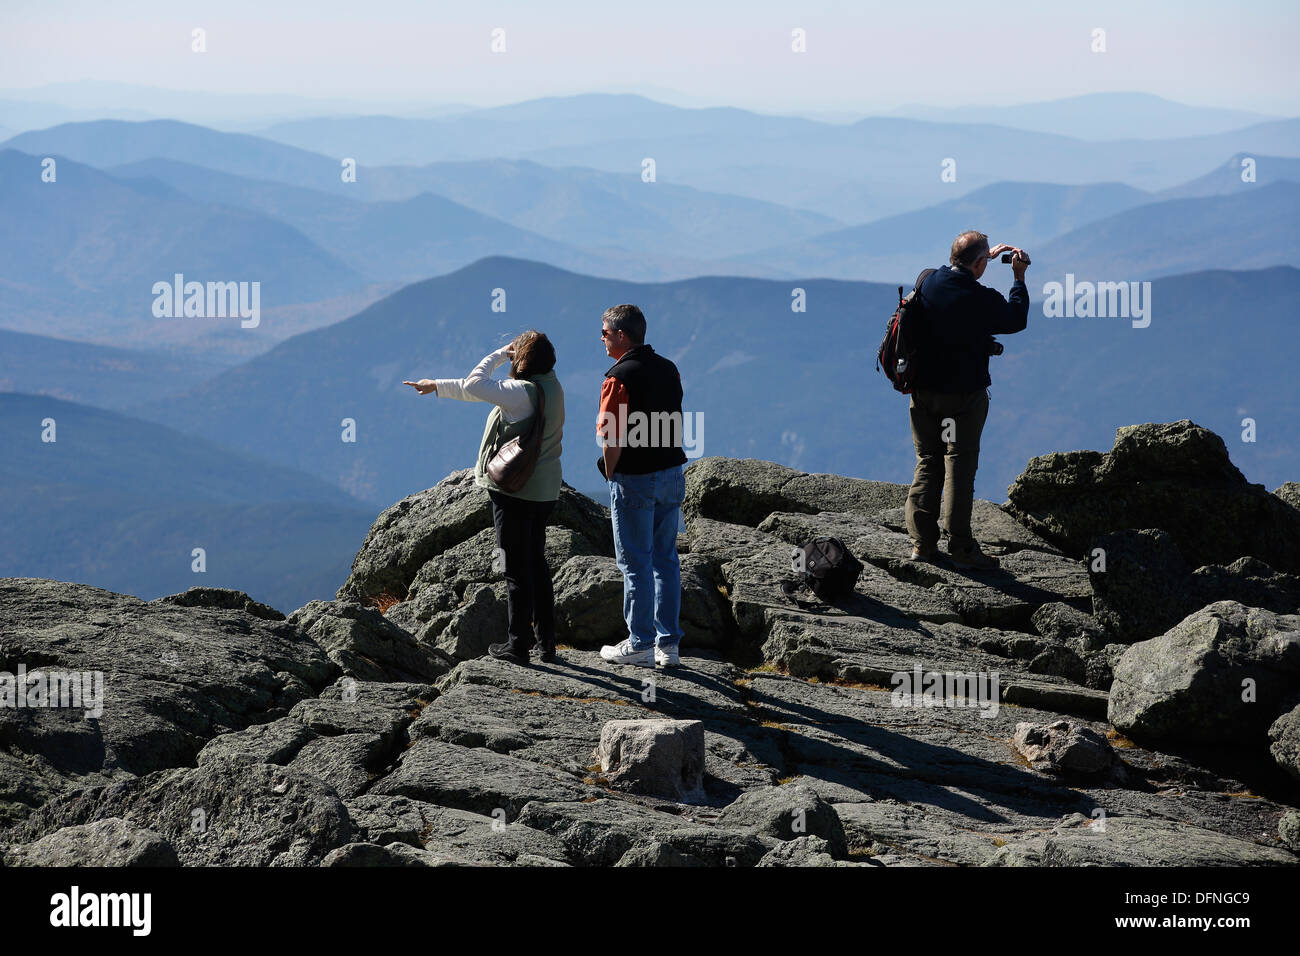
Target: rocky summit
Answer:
pixel 1123 690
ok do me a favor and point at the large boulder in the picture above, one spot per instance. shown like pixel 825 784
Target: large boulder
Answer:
pixel 173 676
pixel 366 645
pixel 1290 493
pixel 1221 675
pixel 1139 591
pixel 347 737
pixel 1146 587
pixel 449 590
pixel 1288 829
pixel 422 526
pixel 745 491
pixel 226 599
pixel 110 842
pixel 589 602
pixel 1058 621
pixel 223 814
pixel 481 621
pixel 277 742
pixel 1176 477
pixel 406 535
pixel 1247 581
pixel 1285 737
pixel 802 852
pixel 706 615
pixel 789 812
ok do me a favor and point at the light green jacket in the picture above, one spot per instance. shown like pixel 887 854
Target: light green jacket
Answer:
pixel 544 484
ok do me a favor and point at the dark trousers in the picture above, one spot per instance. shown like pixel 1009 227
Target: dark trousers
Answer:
pixel 946 429
pixel 521 536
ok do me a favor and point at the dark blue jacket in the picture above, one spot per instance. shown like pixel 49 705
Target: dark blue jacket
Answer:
pixel 959 316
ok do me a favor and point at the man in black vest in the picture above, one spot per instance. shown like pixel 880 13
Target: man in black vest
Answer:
pixel 640 432
pixel 950 400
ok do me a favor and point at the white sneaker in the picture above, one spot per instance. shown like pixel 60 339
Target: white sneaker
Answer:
pixel 622 653
pixel 667 658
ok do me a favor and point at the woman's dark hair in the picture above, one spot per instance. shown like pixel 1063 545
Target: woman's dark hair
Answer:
pixel 534 355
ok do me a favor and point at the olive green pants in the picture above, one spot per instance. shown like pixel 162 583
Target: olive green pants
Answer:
pixel 946 429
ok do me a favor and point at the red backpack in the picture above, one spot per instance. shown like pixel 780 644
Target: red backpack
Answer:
pixel 898 350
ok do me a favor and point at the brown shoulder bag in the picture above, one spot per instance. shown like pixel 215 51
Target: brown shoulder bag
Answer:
pixel 514 462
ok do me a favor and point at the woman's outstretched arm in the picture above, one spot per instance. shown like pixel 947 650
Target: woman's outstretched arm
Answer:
pixel 479 386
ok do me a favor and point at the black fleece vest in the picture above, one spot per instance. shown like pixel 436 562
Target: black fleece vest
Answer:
pixel 653 386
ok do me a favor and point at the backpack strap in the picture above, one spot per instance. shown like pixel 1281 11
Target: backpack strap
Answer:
pixel 925 274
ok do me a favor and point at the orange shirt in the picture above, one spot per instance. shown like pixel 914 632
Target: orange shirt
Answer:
pixel 613 394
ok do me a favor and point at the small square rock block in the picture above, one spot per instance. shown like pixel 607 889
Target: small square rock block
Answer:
pixel 659 758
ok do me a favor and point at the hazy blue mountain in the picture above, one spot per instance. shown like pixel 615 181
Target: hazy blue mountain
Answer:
pixel 97 374
pixel 597 210
pixel 407 239
pixel 896 248
pixel 860 172
pixel 51 103
pixel 79 256
pixel 881 166
pixel 513 130
pixel 20 113
pixel 794 387
pixel 105 143
pixel 121 503
pixel 1226 178
pixel 1250 229
pixel 1097 116
pixel 574 218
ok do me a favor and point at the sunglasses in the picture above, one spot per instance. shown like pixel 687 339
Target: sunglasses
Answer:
pixel 606 333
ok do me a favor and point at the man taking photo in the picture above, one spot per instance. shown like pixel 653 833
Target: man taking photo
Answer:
pixel 950 399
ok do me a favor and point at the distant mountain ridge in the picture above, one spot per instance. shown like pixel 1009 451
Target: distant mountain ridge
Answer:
pixel 1099 231
pixel 81 254
pixel 860 172
pixel 1097 116
pixel 892 249
pixel 600 216
pixel 98 375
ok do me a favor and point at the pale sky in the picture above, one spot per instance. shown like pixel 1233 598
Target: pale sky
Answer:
pixel 861 56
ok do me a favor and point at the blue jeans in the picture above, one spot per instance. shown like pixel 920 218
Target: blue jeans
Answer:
pixel 645 511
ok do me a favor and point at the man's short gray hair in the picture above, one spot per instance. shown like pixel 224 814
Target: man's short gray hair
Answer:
pixel 968 248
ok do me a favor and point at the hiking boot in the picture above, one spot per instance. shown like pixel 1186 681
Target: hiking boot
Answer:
pixel 667 656
pixel 624 653
pixel 927 555
pixel 974 559
pixel 509 651
pixel 546 651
